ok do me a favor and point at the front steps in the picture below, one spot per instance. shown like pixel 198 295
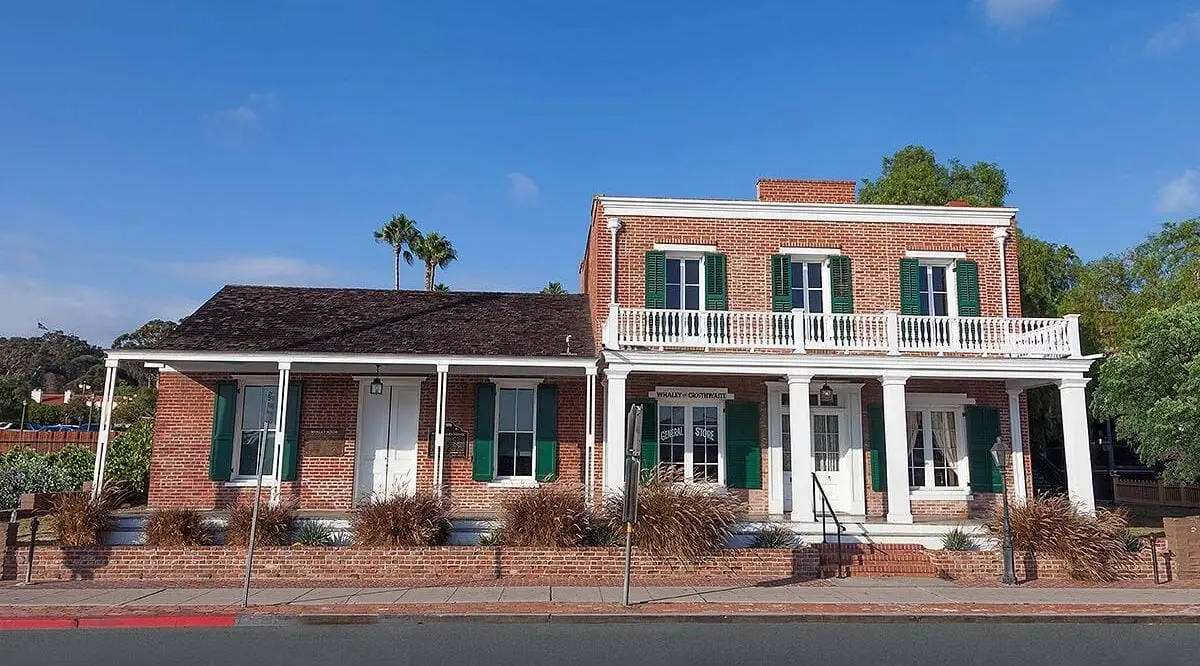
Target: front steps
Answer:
pixel 877 560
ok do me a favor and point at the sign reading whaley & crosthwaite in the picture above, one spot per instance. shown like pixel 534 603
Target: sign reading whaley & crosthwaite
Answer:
pixel 681 393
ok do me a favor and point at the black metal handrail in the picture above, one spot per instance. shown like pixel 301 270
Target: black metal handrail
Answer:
pixel 828 512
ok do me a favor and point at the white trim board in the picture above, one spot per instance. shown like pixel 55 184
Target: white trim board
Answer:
pixel 683 247
pixel 740 209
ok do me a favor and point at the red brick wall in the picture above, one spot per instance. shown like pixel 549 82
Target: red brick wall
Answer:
pixel 183 429
pixel 440 564
pixel 965 565
pixel 807 191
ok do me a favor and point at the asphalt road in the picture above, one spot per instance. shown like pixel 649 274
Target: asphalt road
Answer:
pixel 926 644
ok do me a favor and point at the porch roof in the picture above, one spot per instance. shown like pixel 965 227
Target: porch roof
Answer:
pixel 305 320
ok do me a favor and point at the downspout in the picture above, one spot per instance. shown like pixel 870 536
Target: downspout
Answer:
pixel 609 334
pixel 1000 235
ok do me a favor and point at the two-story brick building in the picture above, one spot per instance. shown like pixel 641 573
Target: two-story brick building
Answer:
pixel 796 348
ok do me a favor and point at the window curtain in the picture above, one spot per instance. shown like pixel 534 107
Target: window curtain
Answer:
pixel 914 424
pixel 944 436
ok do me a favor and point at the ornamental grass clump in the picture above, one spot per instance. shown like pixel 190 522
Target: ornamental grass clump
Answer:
pixel 958 539
pixel 1093 546
pixel 80 519
pixel 178 528
pixel 403 521
pixel 274 525
pixel 313 533
pixel 683 520
pixel 775 536
pixel 551 516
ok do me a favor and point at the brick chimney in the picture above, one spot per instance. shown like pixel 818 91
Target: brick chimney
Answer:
pixel 806 191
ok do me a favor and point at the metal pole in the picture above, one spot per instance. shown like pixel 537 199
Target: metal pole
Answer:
pixel 24 405
pixel 33 529
pixel 633 427
pixel 254 520
pixel 1010 574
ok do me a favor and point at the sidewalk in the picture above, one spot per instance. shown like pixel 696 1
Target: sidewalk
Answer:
pixel 853 596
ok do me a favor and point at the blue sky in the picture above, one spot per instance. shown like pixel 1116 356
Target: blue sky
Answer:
pixel 151 151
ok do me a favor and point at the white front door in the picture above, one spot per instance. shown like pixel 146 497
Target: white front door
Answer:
pixel 830 439
pixel 387 440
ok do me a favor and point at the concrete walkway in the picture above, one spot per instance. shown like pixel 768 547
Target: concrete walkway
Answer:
pixel 886 591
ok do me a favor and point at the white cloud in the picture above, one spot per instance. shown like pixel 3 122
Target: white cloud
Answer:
pixel 232 124
pixel 1181 195
pixel 252 270
pixel 1175 35
pixel 1013 13
pixel 521 186
pixel 94 314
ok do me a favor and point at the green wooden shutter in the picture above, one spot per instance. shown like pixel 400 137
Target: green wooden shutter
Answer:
pixel 781 283
pixel 841 285
pixel 910 287
pixel 649 447
pixel 546 436
pixel 656 279
pixel 967 273
pixel 291 433
pixel 983 427
pixel 714 282
pixel 482 464
pixel 878 443
pixel 743 457
pixel 220 455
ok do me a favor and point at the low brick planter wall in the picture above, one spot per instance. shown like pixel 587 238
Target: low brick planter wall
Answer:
pixel 446 563
pixel 967 564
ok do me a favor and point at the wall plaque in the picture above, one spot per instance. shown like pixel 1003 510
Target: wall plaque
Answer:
pixel 457 442
pixel 322 443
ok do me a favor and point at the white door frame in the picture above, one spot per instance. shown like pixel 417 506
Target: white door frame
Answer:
pixel 850 400
pixel 362 383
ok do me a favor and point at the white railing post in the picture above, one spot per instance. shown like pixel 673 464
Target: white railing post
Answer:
pixel 893 332
pixel 798 330
pixel 1073 343
pixel 609 335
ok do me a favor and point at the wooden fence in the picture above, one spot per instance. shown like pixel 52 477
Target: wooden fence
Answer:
pixel 46 441
pixel 1153 491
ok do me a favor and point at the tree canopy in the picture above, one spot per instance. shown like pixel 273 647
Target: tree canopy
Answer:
pixel 1151 385
pixel 554 288
pixel 913 176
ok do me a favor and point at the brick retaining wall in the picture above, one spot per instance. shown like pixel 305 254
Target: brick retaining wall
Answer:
pixel 960 564
pixel 444 563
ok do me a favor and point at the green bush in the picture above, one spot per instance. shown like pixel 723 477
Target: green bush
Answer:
pixel 774 536
pixel 313 533
pixel 129 457
pixel 958 539
pixel 76 462
pixel 24 470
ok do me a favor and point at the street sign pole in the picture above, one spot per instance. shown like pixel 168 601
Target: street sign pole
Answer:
pixel 633 471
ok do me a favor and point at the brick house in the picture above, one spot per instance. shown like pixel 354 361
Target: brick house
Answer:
pixel 797 348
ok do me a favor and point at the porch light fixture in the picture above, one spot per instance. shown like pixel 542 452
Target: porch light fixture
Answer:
pixel 825 396
pixel 377 383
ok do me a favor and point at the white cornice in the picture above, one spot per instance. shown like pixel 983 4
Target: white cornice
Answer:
pixel 173 356
pixel 736 209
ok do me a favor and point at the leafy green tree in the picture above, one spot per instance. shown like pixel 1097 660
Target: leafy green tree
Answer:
pixel 913 176
pixel 436 251
pixel 554 288
pixel 51 362
pixel 129 456
pixel 147 336
pixel 13 391
pixel 399 232
pixel 1151 385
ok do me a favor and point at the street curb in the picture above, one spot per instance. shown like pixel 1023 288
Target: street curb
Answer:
pixel 119 622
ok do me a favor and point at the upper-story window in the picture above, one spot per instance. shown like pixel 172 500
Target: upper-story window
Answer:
pixel 815 280
pixel 685 283
pixel 935 289
pixel 939 284
pixel 808 285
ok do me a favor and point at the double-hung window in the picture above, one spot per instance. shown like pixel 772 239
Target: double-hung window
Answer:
pixel 808 284
pixel 935 289
pixel 256 428
pixel 515 418
pixel 936 448
pixel 685 283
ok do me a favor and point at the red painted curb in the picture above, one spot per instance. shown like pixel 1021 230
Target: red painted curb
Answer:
pixel 156 621
pixel 13 623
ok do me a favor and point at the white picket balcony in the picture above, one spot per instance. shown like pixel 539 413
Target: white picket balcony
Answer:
pixel 800 331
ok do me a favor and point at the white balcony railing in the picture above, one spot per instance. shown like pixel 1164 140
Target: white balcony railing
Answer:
pixel 800 331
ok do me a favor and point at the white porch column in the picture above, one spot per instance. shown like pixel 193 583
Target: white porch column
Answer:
pixel 614 430
pixel 589 439
pixel 1075 441
pixel 895 430
pixel 800 428
pixel 775 489
pixel 1018 446
pixel 106 405
pixel 285 376
pixel 439 430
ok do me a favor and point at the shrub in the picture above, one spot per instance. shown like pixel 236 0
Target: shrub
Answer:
pixel 1133 543
pixel 274 525
pixel 76 463
pixel 1093 546
pixel 23 470
pixel 493 539
pixel 313 533
pixel 551 516
pixel 177 528
pixel 604 534
pixel 958 539
pixel 402 520
pixel 129 457
pixel 774 536
pixel 677 519
pixel 79 518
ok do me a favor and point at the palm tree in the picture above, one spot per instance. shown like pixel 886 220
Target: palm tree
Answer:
pixel 401 233
pixel 440 287
pixel 436 251
pixel 554 288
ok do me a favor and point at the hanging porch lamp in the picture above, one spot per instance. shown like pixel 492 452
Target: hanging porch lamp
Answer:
pixel 825 396
pixel 377 383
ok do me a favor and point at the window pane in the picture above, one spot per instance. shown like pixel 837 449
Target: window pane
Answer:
pixel 525 410
pixel 826 443
pixel 916 445
pixel 797 299
pixel 691 297
pixel 938 275
pixel 508 410
pixel 816 301
pixel 248 454
pixel 258 407
pixel 945 448
pixel 691 271
pixel 672 271
pixel 923 283
pixel 939 304
pixel 815 273
pixel 786 437
pixel 672 296
pixel 524 464
pixel 671 439
pixel 506 452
